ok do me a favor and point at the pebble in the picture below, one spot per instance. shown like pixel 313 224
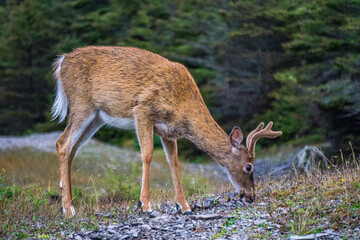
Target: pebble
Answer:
pixel 258 222
pixel 83 220
pixel 106 215
pixel 154 214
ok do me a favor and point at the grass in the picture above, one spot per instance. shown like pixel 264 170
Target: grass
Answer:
pixel 329 198
pixel 29 193
pixel 303 204
pixel 321 196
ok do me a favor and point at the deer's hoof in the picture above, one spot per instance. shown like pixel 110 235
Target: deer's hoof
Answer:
pixel 178 207
pixel 68 211
pixel 187 213
pixel 148 212
pixel 146 208
pixel 179 210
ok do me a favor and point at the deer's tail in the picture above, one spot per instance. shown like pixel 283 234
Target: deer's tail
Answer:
pixel 60 106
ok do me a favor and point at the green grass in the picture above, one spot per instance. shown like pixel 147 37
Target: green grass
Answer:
pixel 29 190
pixel 329 197
pixel 29 195
pixel 308 199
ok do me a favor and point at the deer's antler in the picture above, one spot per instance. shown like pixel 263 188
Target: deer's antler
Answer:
pixel 258 133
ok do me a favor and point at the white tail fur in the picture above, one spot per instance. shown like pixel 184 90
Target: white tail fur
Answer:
pixel 59 108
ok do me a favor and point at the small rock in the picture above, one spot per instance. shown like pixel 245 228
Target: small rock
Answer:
pixel 82 232
pixel 178 226
pixel 258 222
pixel 206 204
pixel 189 226
pixel 283 211
pixel 136 223
pixel 112 231
pixel 94 236
pixel 308 237
pixel 106 215
pixel 154 214
pixel 83 220
pixel 163 218
pixel 135 234
pixel 121 237
pixel 146 227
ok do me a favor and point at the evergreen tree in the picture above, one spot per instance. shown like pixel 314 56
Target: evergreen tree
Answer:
pixel 293 62
pixel 319 95
pixel 27 42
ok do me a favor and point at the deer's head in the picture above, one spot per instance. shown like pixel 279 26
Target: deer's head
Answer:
pixel 240 167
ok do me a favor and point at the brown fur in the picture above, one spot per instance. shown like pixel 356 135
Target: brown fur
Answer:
pixel 136 84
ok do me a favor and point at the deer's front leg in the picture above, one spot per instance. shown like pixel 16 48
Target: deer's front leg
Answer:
pixel 144 130
pixel 170 147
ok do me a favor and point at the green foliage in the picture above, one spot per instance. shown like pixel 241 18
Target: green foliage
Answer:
pixel 318 97
pixel 125 187
pixel 114 136
pixel 156 139
pixel 13 193
pixel 8 193
pixel 293 62
pixel 28 36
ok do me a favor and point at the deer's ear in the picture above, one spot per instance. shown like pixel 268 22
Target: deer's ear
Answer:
pixel 236 137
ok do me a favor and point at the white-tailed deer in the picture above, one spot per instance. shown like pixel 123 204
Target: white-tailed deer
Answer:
pixel 131 88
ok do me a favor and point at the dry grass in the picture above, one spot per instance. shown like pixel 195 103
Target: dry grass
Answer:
pixel 29 194
pixel 315 201
pixel 328 198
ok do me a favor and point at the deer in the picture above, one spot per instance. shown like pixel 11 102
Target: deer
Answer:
pixel 131 88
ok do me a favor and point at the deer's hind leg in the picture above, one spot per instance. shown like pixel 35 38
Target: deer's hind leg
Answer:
pixel 171 152
pixel 144 130
pixel 80 128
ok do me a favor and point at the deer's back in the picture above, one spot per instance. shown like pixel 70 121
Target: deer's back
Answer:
pixel 118 79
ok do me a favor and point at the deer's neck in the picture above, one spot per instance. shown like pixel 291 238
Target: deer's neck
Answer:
pixel 210 138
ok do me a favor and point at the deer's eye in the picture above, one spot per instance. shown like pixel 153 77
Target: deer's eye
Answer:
pixel 248 168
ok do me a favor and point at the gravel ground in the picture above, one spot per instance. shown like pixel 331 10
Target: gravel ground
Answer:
pixel 220 216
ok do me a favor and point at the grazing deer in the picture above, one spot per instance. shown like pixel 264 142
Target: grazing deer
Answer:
pixel 130 88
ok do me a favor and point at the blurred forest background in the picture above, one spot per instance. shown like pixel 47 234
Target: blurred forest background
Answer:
pixel 296 62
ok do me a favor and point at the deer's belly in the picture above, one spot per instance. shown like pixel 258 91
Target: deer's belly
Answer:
pixel 169 132
pixel 122 123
